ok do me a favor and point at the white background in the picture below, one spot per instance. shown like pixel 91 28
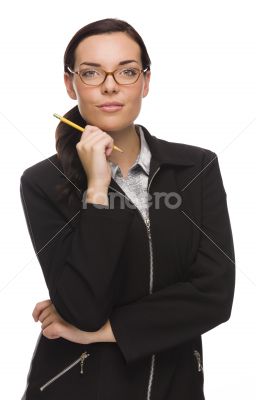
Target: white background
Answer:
pixel 202 92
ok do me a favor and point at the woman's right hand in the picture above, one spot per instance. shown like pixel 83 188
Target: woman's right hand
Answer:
pixel 93 148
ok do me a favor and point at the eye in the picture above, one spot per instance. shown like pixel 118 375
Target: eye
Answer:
pixel 89 73
pixel 129 72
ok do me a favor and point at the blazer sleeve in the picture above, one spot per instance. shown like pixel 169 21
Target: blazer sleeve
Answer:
pixel 79 261
pixel 186 309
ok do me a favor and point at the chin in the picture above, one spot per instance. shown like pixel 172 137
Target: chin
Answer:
pixel 112 126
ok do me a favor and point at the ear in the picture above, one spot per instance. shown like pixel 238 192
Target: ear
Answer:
pixel 68 79
pixel 146 83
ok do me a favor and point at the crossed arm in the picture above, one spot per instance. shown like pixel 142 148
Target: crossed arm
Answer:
pixel 54 326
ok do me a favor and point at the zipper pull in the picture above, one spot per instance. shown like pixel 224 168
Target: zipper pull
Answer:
pixel 82 357
pixel 147 221
pixel 198 358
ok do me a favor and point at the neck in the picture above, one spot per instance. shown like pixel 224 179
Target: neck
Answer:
pixel 129 141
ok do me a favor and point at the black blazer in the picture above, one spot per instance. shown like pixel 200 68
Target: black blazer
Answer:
pixel 96 264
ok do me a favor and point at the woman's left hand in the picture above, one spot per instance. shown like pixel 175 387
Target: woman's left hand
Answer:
pixel 54 326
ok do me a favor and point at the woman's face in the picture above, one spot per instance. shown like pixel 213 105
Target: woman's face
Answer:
pixel 108 50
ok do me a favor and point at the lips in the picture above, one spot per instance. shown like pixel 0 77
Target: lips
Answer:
pixel 112 104
pixel 111 107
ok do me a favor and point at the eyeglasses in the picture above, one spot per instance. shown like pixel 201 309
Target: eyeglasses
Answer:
pixel 96 76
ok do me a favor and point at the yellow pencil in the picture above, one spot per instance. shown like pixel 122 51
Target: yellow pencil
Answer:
pixel 79 128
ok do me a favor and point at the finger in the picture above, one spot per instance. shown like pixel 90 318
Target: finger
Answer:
pixel 103 142
pixel 88 131
pixel 39 307
pixel 47 321
pixel 109 149
pixel 45 313
pixel 90 128
pixel 87 137
pixel 50 310
pixel 40 314
pixel 51 332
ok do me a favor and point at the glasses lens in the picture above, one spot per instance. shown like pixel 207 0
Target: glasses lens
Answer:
pixel 92 76
pixel 127 75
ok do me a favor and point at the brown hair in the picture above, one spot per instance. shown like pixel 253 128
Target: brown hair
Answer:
pixel 65 138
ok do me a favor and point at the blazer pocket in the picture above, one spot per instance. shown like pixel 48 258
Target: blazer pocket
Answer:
pixel 80 360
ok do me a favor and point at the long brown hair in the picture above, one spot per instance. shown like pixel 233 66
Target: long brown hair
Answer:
pixel 65 138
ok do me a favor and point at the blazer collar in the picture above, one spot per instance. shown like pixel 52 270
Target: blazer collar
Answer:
pixel 164 152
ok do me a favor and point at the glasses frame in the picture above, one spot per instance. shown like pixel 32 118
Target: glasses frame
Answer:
pixel 109 73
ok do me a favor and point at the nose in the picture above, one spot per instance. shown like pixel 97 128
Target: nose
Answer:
pixel 109 85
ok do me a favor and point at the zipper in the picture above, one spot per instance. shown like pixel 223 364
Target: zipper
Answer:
pixel 147 223
pixel 199 362
pixel 152 364
pixel 80 359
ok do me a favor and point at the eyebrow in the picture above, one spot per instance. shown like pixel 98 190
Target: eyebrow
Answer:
pixel 92 64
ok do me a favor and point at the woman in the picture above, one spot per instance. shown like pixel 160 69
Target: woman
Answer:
pixel 136 246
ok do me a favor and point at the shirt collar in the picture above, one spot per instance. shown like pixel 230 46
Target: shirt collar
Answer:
pixel 143 158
